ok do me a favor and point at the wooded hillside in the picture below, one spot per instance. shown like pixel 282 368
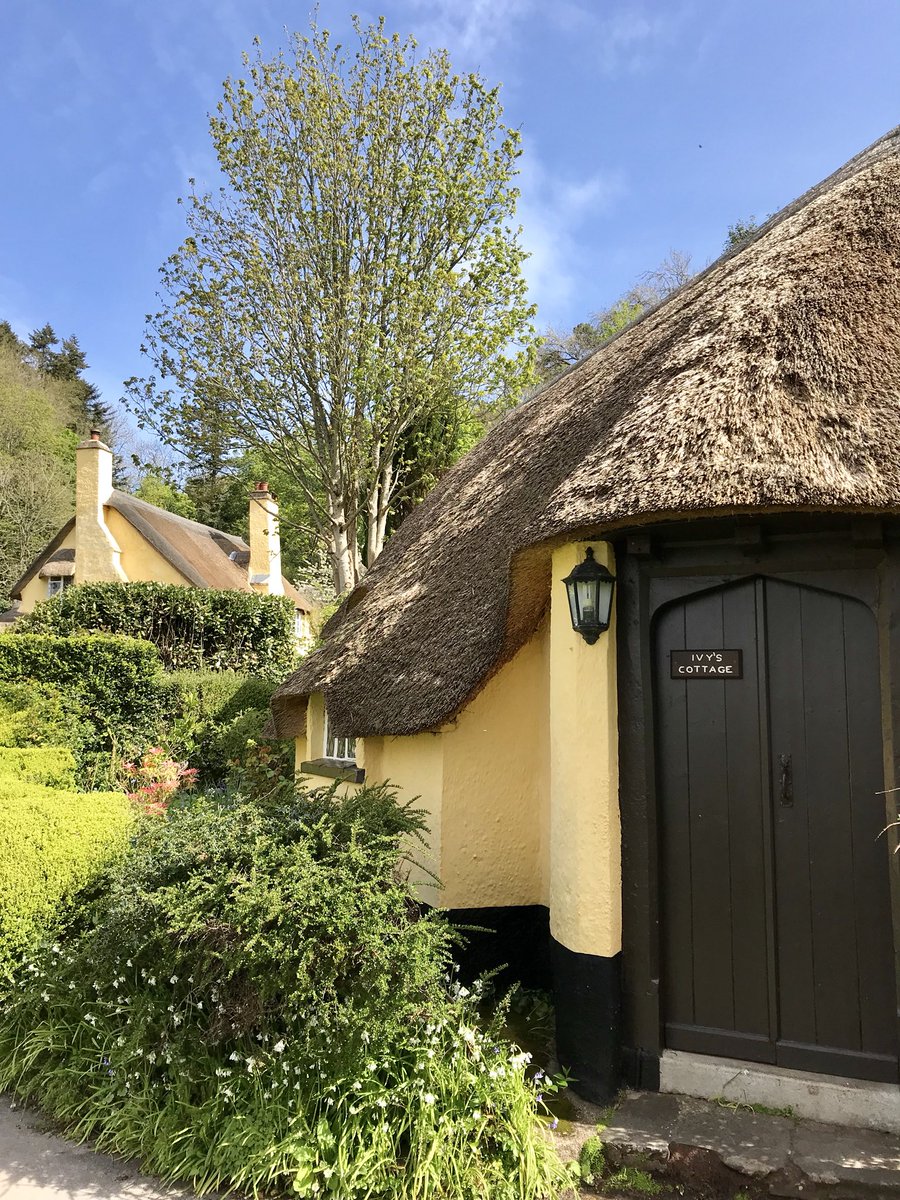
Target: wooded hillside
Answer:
pixel 46 407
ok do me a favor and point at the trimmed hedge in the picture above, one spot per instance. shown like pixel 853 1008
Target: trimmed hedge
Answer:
pixel 48 766
pixel 52 842
pixel 117 683
pixel 190 627
pixel 220 696
pixel 40 714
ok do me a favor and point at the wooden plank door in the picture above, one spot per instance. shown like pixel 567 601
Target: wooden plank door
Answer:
pixel 777 943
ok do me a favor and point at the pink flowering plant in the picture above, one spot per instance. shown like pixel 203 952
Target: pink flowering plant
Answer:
pixel 155 779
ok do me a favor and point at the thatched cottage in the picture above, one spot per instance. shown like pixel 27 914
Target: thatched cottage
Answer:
pixel 682 812
pixel 115 537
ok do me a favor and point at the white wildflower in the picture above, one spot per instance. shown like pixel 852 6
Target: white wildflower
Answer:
pixel 279 1046
pixel 428 1098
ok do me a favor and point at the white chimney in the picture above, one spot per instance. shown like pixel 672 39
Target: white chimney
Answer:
pixel 264 569
pixel 97 554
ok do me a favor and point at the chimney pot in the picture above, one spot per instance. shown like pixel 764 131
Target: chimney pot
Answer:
pixel 262 487
pixel 95 435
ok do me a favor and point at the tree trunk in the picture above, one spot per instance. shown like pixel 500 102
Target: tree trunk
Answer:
pixel 379 508
pixel 342 547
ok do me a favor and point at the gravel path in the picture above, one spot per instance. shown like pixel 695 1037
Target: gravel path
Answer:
pixel 37 1164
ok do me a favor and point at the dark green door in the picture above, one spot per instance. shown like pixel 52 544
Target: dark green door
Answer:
pixel 774 898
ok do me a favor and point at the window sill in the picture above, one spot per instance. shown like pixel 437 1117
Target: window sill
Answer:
pixel 334 768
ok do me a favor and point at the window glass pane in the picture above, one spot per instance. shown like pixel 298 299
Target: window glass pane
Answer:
pixel 339 747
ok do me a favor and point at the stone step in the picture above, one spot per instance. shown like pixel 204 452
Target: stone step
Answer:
pixel 719 1149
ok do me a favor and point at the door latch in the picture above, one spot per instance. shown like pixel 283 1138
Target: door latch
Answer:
pixel 787 781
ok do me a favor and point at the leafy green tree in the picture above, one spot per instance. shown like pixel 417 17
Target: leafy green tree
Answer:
pixel 37 460
pixel 559 351
pixel 740 232
pixel 155 489
pixel 360 266
pixel 562 350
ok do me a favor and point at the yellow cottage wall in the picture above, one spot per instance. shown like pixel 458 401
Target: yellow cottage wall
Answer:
pixel 35 589
pixel 495 819
pixel 140 562
pixel 522 788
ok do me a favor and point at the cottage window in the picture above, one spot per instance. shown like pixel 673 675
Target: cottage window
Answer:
pixel 341 748
pixel 57 584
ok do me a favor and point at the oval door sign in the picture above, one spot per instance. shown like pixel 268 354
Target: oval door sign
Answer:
pixel 707 664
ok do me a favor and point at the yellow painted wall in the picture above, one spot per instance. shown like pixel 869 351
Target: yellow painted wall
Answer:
pixel 522 788
pixel 140 562
pixel 416 766
pixel 585 831
pixel 483 781
pixel 36 589
pixel 494 826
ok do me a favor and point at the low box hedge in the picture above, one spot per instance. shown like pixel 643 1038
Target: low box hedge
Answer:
pixel 53 841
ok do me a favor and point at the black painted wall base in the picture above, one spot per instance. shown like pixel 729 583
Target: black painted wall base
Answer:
pixel 586 990
pixel 640 1069
pixel 588 995
pixel 515 939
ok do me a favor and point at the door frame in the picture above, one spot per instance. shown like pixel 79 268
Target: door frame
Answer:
pixel 857 557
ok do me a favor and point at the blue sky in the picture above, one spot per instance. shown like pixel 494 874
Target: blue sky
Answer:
pixel 646 127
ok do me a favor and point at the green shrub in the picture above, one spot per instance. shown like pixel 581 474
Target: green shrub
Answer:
pixel 120 694
pixel 256 1002
pixel 39 714
pixel 219 731
pixel 52 842
pixel 190 627
pixel 219 696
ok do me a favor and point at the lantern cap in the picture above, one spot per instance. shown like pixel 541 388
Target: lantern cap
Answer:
pixel 588 568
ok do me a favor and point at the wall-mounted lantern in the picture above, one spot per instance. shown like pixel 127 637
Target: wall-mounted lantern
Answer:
pixel 590 588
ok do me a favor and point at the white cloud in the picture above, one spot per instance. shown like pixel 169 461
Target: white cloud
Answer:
pixel 475 28
pixel 553 210
pixel 621 38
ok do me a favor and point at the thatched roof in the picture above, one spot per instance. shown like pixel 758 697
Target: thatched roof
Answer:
pixel 770 381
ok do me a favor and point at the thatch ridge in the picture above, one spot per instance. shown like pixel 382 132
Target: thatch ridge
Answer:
pixel 769 381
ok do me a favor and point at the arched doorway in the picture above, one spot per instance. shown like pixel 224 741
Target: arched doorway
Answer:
pixel 774 898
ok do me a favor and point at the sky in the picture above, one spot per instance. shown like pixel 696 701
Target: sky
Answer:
pixel 646 127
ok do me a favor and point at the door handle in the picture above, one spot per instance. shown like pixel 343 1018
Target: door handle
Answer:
pixel 787 781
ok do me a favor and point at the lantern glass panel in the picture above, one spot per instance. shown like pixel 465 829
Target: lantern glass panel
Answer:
pixel 604 600
pixel 573 607
pixel 586 591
